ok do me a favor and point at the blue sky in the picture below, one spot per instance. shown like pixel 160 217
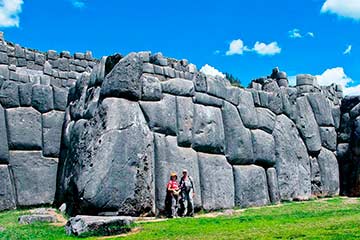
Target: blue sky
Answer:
pixel 245 38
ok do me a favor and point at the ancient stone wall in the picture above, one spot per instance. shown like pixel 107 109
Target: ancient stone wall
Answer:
pixel 133 120
pixel 33 98
pixel 348 149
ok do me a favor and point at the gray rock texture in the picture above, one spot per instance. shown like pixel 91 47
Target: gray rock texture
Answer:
pixel 185 116
pixel 36 218
pixel 329 173
pixel 264 148
pixel 7 196
pixel 251 187
pixel 292 161
pixel 98 226
pixel 217 184
pixel 208 130
pixel 247 109
pixel 273 185
pixel 4 148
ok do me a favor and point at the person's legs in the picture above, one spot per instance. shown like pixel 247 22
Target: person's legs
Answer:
pixel 185 203
pixel 190 205
pixel 174 206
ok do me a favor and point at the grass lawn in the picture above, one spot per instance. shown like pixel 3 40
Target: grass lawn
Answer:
pixel 337 218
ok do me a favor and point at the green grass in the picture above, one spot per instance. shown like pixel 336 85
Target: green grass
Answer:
pixel 335 218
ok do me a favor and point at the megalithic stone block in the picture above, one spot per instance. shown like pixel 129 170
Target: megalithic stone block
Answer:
pixel 52 126
pixel 216 181
pixel 272 181
pixel 7 196
pixel 329 173
pixel 4 148
pixel 34 177
pixel 24 128
pixel 42 98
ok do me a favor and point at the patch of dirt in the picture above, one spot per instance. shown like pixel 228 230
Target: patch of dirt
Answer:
pixel 351 201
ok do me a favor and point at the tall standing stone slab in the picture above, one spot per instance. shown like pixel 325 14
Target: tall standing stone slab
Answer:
pixel 307 125
pixel 216 181
pixel 169 158
pixel 265 119
pixel 7 197
pixel 329 173
pixel 185 116
pixel 273 185
pixel 322 109
pixel 4 147
pixel 34 177
pixel 208 130
pixel 292 161
pixel 52 126
pixel 24 128
pixel 264 148
pixel 239 148
pixel 328 137
pixel 250 186
pixel 247 109
pixel 110 162
pixel 124 79
pixel 161 116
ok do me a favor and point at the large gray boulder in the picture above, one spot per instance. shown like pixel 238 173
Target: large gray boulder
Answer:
pixel 24 128
pixel 247 109
pixel 124 79
pixel 9 95
pixel 109 165
pixel 7 197
pixel 329 173
pixel 34 177
pixel 216 87
pixel 98 226
pixel 250 186
pixel 179 87
pixel 328 137
pixel 52 125
pixel 265 119
pixel 171 158
pixel 42 98
pixel 239 148
pixel 185 115
pixel 217 182
pixel 273 185
pixel 205 99
pixel 307 125
pixel 264 148
pixel 322 109
pixel 292 161
pixel 161 115
pixel 4 148
pixel 208 130
pixel 151 88
pixel 315 177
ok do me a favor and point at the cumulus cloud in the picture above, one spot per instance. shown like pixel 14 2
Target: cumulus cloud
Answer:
pixel 237 47
pixel 343 8
pixel 337 75
pixel 267 49
pixel 295 33
pixel 311 34
pixel 211 71
pixel 78 3
pixel 9 13
pixel 348 50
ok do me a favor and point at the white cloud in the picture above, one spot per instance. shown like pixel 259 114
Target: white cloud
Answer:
pixel 295 33
pixel 211 71
pixel 267 49
pixel 343 8
pixel 348 50
pixel 9 13
pixel 216 52
pixel 337 75
pixel 78 3
pixel 311 34
pixel 292 80
pixel 236 47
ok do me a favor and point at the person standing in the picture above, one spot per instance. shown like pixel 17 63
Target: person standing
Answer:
pixel 187 194
pixel 172 196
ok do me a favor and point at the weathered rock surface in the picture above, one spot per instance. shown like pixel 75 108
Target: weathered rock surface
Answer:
pixel 265 119
pixel 292 161
pixel 52 124
pixel 273 185
pixel 247 109
pixel 185 116
pixel 24 128
pixel 322 109
pixel 217 182
pixel 36 218
pixel 98 226
pixel 208 130
pixel 161 116
pixel 250 186
pixel 4 148
pixel 36 184
pixel 328 137
pixel 329 173
pixel 179 87
pixel 238 138
pixel 264 148
pixel 307 125
pixel 7 196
